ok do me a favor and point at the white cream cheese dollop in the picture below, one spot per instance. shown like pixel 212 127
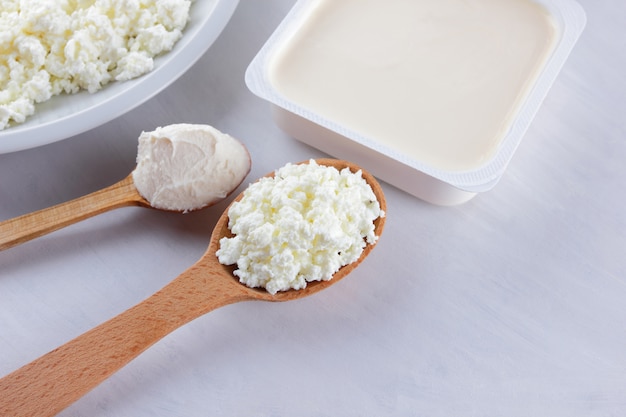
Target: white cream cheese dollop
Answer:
pixel 185 167
pixel 299 226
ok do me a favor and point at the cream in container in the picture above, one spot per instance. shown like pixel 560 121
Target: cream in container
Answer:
pixel 430 96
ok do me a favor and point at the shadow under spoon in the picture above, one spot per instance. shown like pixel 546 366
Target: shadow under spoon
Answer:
pixel 51 383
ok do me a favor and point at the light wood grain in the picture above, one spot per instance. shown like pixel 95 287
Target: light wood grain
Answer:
pixel 32 225
pixel 51 383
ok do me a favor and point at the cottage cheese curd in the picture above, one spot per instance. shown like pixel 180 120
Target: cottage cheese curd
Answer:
pixel 299 226
pixel 186 167
pixel 49 47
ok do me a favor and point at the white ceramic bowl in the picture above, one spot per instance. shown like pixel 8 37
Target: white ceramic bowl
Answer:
pixel 66 115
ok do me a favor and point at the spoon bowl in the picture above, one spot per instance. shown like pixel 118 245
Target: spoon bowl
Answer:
pixel 54 381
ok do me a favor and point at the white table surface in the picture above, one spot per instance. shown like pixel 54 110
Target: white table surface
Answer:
pixel 513 304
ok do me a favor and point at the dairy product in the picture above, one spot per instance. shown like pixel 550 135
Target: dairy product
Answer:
pixel 382 84
pixel 185 167
pixel 299 226
pixel 49 47
pixel 438 81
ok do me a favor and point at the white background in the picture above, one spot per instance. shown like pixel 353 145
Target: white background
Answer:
pixel 513 304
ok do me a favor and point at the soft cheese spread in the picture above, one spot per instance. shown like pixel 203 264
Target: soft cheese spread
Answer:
pixel 185 167
pixel 440 81
pixel 49 47
pixel 299 226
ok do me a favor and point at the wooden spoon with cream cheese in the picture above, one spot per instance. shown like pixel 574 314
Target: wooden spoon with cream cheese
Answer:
pixel 54 381
pixel 180 167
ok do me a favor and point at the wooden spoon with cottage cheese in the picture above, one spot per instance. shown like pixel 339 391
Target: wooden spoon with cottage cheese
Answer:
pixel 51 383
pixel 180 167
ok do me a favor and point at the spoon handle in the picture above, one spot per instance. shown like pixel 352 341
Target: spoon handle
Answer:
pixel 29 226
pixel 51 383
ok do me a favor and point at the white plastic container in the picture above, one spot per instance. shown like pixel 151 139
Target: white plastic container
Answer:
pixel 430 96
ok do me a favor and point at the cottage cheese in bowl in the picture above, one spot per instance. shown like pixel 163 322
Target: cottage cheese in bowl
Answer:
pixel 49 47
pixel 65 115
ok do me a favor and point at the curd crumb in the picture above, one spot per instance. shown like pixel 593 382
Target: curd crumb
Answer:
pixel 299 226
